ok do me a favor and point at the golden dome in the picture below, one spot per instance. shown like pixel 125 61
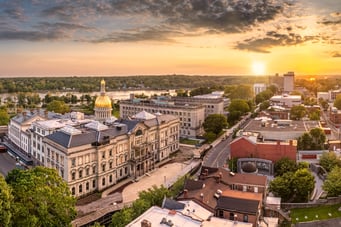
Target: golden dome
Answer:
pixel 103 101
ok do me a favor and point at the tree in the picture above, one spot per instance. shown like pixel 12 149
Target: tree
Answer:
pixel 329 160
pixel 4 117
pixel 41 198
pixel 284 165
pixel 332 185
pixel 263 96
pixel 282 186
pixel 58 107
pixel 264 105
pixel 337 102
pixel 239 105
pixel 324 104
pixel 297 112
pixel 215 123
pixel 314 140
pixel 6 199
pixel 122 217
pixel 314 115
pixel 303 184
pixel 295 187
pixel 319 138
pixel 241 91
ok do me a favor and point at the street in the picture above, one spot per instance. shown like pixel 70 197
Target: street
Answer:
pixel 7 163
pixel 218 154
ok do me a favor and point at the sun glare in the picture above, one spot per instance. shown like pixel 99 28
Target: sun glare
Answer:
pixel 258 68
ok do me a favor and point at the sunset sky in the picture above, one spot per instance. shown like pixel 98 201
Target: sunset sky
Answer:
pixel 156 37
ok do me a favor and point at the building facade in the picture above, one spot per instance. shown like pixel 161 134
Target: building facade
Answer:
pixel 289 82
pixel 95 156
pixel 258 88
pixel 285 100
pixel 191 116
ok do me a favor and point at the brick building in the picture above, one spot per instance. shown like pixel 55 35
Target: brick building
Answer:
pixel 243 147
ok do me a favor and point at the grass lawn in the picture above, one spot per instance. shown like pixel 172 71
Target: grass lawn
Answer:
pixel 188 141
pixel 315 213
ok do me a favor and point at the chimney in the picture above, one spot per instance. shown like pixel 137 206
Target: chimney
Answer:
pixel 202 197
pixel 146 223
pixel 205 172
pixel 290 142
pixel 46 113
pixel 185 193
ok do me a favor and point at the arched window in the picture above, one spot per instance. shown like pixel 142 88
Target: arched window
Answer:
pixel 110 178
pixel 103 181
pixel 80 189
pixel 138 132
pixel 73 191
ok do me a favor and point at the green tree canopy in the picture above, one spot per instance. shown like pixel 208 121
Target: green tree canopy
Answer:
pixel 215 123
pixel 297 112
pixel 332 185
pixel 314 140
pixel 303 184
pixel 337 102
pixel 295 187
pixel 6 199
pixel 4 117
pixel 263 96
pixel 41 198
pixel 239 105
pixel 241 91
pixel 284 165
pixel 281 186
pixel 58 107
pixel 329 160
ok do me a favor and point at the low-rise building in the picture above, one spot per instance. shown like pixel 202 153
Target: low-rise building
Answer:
pixel 286 100
pixel 217 185
pixel 245 147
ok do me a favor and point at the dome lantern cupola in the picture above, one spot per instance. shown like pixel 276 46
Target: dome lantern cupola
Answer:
pixel 103 106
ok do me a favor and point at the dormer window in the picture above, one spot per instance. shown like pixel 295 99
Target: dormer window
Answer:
pixel 138 132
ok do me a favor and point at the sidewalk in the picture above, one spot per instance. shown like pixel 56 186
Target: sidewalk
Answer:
pixel 166 175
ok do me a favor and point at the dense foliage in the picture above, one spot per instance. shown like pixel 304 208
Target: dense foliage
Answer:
pixel 90 84
pixel 215 123
pixel 41 198
pixel 332 185
pixel 284 165
pixel 314 140
pixel 293 186
pixel 297 112
pixel 329 160
pixel 152 197
pixel 6 199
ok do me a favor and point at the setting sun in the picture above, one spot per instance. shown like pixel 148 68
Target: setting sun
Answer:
pixel 258 68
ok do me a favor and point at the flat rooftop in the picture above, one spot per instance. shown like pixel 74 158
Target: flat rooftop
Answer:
pixel 271 130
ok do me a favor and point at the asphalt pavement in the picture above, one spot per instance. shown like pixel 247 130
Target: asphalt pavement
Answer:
pixel 7 163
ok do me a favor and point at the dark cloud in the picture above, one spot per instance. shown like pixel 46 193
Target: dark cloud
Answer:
pixel 14 13
pixel 220 16
pixel 336 54
pixel 32 35
pixel 331 22
pixel 273 39
pixel 43 31
pixel 150 34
